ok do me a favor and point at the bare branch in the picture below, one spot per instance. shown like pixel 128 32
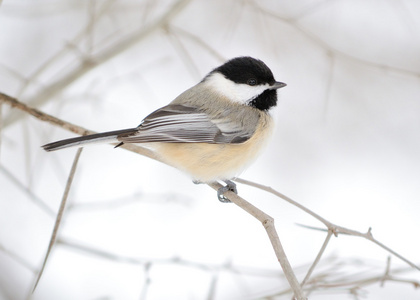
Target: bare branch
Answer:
pixel 335 229
pixel 146 282
pixel 213 285
pixel 317 40
pixel 36 200
pixel 67 125
pixel 199 42
pixel 182 52
pixel 318 257
pixel 284 197
pixel 53 59
pixel 17 258
pixel 59 215
pixel 90 250
pixel 357 284
pixel 105 55
pixel 268 223
pixel 386 274
pixel 1 124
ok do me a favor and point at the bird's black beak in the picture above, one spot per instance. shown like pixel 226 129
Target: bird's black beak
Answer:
pixel 277 85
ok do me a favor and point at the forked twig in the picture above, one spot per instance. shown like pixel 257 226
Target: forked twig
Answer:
pixel 334 229
pixel 268 223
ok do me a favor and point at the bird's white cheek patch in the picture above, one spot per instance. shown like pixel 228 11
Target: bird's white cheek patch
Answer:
pixel 241 93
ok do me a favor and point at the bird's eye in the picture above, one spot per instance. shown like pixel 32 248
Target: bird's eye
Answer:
pixel 252 81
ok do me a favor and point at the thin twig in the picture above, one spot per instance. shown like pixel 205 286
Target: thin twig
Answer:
pixel 352 283
pixel 329 83
pixel 118 258
pixel 36 200
pixel 54 58
pixel 146 281
pixel 103 56
pixel 367 281
pixel 59 215
pixel 182 52
pixel 199 42
pixel 22 261
pixel 284 197
pixel 331 227
pixel 213 286
pixel 368 235
pixel 324 45
pixel 318 258
pixel 387 269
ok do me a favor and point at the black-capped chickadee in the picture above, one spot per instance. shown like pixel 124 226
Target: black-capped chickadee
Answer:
pixel 213 130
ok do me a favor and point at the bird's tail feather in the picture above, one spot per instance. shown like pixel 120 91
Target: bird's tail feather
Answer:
pixel 104 137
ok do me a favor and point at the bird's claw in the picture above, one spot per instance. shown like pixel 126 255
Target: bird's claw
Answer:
pixel 230 186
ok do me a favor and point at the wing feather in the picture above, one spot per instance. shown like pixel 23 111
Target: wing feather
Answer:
pixel 177 123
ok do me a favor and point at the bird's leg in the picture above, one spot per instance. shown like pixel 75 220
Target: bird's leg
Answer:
pixel 230 186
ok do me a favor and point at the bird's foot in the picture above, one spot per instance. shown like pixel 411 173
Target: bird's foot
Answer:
pixel 230 186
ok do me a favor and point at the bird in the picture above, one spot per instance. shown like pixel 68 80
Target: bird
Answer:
pixel 212 131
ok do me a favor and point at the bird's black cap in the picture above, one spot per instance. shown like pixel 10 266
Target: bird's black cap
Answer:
pixel 242 69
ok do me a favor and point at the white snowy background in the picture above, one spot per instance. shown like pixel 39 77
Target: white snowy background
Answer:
pixel 347 146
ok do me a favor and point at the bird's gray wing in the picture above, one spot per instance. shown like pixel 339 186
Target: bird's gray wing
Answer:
pixel 177 123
